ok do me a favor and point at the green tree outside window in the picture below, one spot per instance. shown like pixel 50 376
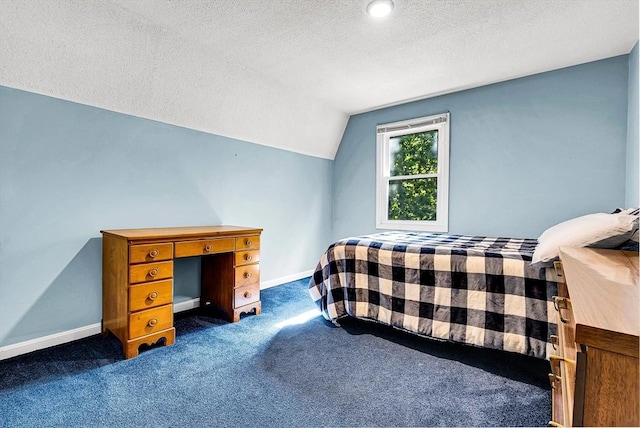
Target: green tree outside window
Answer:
pixel 413 155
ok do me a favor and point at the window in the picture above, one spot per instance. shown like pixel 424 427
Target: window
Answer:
pixel 413 174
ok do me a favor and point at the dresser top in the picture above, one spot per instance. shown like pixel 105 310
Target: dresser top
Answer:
pixel 603 288
pixel 190 232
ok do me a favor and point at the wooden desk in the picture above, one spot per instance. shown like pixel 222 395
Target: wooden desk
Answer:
pixel 137 277
pixel 595 372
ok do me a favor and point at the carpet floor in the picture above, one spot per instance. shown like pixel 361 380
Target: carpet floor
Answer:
pixel 284 368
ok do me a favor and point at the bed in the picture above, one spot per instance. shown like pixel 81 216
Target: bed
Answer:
pixel 474 290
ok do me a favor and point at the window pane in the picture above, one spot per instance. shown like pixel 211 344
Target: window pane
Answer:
pixel 413 154
pixel 413 199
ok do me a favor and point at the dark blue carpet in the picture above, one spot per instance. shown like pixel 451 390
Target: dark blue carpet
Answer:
pixel 259 372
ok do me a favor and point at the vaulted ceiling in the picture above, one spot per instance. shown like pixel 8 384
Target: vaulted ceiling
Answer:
pixel 289 73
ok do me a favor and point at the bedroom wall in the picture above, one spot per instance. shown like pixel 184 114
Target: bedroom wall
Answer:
pixel 633 153
pixel 525 154
pixel 69 170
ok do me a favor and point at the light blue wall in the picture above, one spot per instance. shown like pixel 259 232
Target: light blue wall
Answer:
pixel 525 154
pixel 68 170
pixel 633 154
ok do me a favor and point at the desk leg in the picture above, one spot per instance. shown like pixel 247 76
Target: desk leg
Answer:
pixel 131 347
pixel 257 306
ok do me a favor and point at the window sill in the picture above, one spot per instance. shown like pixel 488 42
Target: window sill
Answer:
pixel 416 226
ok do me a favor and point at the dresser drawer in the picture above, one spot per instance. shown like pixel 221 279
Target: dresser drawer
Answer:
pixel 248 243
pixel 150 272
pixel 245 295
pixel 564 364
pixel 246 257
pixel 204 247
pixel 247 275
pixel 566 323
pixel 150 321
pixel 150 253
pixel 150 294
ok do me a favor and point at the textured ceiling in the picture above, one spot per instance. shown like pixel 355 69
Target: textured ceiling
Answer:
pixel 288 73
pixel 334 51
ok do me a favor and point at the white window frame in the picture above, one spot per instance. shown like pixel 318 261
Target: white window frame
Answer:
pixel 384 132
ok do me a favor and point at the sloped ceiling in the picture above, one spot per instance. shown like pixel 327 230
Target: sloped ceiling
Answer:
pixel 288 73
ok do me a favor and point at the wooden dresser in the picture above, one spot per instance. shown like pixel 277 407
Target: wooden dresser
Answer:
pixel 137 277
pixel 594 376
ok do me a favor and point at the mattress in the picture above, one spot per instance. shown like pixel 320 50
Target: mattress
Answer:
pixel 475 290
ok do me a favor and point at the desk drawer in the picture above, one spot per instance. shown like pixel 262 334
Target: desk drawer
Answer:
pixel 248 243
pixel 245 295
pixel 246 257
pixel 150 253
pixel 150 321
pixel 150 272
pixel 247 275
pixel 204 247
pixel 150 294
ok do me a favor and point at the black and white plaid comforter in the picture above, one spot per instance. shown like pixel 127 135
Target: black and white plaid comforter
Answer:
pixel 470 289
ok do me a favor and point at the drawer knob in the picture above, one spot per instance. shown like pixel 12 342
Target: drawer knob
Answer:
pixel 154 253
pixel 554 362
pixel 248 242
pixel 247 294
pixel 208 247
pixel 152 322
pixel 554 341
pixel 560 303
pixel 248 257
pixel 558 267
pixel 153 296
pixel 153 272
pixel 553 379
pixel 247 275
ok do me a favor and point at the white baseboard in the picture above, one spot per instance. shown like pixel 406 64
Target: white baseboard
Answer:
pixel 25 347
pixel 284 279
pixel 48 341
pixel 186 305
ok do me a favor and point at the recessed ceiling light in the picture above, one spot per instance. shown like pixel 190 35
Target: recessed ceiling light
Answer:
pixel 380 8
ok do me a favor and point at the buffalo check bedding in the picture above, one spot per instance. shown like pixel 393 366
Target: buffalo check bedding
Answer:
pixel 474 290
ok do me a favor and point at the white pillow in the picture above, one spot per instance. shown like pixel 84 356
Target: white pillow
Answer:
pixel 594 230
pixel 635 212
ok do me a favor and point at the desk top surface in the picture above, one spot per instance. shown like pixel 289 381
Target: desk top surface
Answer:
pixel 603 288
pixel 170 233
